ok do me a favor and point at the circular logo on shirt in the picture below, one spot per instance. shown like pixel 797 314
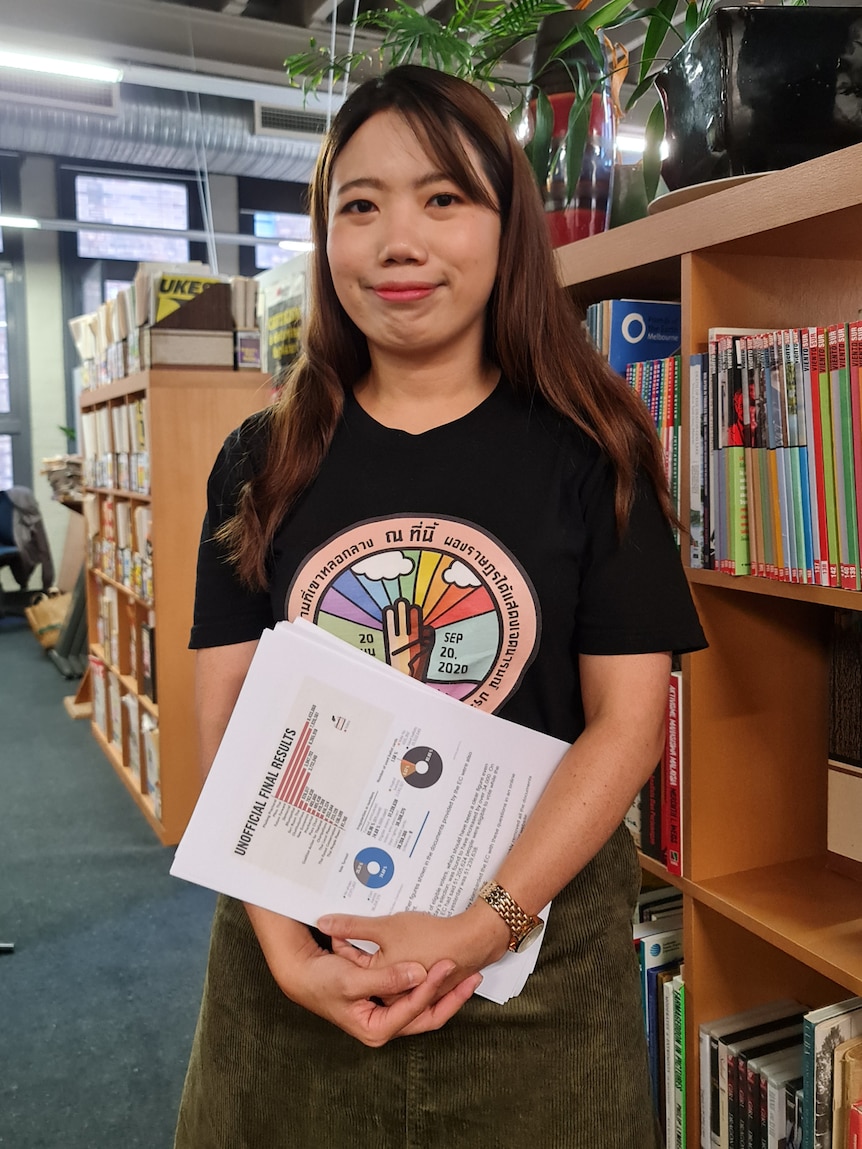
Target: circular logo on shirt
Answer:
pixel 439 599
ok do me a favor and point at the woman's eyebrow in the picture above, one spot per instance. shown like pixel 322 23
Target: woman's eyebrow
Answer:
pixel 379 185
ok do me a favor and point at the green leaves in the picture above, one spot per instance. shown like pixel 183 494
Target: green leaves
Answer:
pixel 654 135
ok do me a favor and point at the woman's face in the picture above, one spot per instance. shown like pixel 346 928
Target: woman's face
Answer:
pixel 413 261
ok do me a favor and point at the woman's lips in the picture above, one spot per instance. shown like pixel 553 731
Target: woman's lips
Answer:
pixel 403 292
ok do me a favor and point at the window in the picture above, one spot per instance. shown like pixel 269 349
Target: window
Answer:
pixel 15 446
pixel 292 229
pixel 152 203
pixel 5 394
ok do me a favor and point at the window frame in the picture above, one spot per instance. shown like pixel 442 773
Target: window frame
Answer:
pixel 17 422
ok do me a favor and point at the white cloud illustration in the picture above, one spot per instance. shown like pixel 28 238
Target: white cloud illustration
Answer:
pixel 460 575
pixel 390 565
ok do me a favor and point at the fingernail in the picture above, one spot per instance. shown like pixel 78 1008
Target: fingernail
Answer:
pixel 323 924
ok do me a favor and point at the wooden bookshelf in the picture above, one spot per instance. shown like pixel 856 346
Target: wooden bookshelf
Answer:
pixel 764 915
pixel 189 412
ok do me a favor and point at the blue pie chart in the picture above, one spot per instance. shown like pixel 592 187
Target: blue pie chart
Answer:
pixel 373 867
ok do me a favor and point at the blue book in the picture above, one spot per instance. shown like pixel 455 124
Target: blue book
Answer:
pixel 640 329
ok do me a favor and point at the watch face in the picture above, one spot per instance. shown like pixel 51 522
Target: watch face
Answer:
pixel 529 938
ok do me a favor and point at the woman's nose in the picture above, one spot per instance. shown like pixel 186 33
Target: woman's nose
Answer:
pixel 403 240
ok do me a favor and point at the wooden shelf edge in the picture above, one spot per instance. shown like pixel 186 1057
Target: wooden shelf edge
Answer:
pixel 653 866
pixel 130 782
pixel 801 592
pixel 120 493
pixel 77 709
pixel 803 908
pixel 98 573
pixel 794 195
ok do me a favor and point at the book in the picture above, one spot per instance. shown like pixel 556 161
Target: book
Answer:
pixel 842 424
pixel 846 1087
pixel 823 1030
pixel 673 758
pixel 729 1028
pixel 651 806
pixel 680 1126
pixel 733 1074
pixel 191 302
pixel 657 951
pixel 639 329
pixel 658 978
pixel 775 1080
pixel 759 1069
pixel 148 661
pixel 699 520
pixel 844 777
pixel 854 1131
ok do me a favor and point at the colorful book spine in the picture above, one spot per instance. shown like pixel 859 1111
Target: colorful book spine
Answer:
pixel 674 858
pixel 828 454
pixel 854 355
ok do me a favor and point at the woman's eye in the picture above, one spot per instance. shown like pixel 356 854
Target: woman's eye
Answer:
pixel 359 206
pixel 444 199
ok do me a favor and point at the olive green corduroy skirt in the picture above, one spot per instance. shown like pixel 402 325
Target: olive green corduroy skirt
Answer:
pixel 562 1066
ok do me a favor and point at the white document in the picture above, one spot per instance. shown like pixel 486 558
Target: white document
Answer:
pixel 344 786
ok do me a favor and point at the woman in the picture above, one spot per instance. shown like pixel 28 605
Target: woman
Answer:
pixel 448 410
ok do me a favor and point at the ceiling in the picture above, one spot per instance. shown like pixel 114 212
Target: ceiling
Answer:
pixel 242 42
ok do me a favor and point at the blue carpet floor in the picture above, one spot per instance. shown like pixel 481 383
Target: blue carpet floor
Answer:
pixel 98 1002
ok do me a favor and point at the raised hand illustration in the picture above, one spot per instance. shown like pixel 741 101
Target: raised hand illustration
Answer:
pixel 408 640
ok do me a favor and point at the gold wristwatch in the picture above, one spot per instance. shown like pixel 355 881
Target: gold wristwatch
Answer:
pixel 525 928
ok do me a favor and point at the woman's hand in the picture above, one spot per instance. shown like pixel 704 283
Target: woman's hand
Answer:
pixel 467 942
pixel 372 1004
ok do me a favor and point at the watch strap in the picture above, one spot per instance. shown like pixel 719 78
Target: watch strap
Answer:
pixel 520 923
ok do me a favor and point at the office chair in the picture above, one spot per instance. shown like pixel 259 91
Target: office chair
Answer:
pixel 9 552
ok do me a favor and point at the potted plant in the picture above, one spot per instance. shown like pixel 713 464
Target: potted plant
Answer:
pixel 562 137
pixel 752 88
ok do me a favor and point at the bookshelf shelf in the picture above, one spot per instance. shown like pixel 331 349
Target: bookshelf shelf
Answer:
pixel 653 866
pixel 802 908
pixel 119 493
pixel 184 415
pixel 827 596
pixel 763 914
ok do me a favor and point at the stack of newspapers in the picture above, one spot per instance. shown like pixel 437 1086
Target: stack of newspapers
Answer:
pixel 344 786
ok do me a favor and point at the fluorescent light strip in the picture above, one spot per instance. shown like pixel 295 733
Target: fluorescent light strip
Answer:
pixel 18 221
pixel 78 69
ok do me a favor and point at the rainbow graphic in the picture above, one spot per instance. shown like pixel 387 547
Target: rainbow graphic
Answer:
pixel 423 610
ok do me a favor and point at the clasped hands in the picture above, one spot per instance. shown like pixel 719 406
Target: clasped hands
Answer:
pixel 424 970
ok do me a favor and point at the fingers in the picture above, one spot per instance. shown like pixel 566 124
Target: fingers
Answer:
pixel 348 926
pixel 439 1012
pixel 345 949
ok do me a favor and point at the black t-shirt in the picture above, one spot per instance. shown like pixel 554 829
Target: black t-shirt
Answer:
pixel 481 556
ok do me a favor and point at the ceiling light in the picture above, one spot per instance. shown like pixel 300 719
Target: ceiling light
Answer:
pixel 54 66
pixel 18 221
pixel 296 245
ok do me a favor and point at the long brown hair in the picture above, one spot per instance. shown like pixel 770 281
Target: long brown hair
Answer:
pixel 533 331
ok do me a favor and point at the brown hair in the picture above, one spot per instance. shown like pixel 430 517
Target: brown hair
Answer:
pixel 533 331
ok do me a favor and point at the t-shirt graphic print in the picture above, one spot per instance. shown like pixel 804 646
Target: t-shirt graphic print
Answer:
pixel 437 598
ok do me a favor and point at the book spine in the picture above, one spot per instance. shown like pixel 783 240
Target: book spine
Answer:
pixel 812 506
pixel 674 775
pixel 828 456
pixel 679 1063
pixel 850 567
pixel 670 1066
pixel 838 433
pixel 854 350
pixel 854 1132
pixel 808 1083
pixel 697 508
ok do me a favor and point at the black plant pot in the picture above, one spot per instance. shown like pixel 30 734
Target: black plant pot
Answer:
pixel 756 89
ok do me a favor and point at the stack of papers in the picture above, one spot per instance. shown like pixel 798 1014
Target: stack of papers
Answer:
pixel 344 786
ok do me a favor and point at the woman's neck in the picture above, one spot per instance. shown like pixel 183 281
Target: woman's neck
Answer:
pixel 418 399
